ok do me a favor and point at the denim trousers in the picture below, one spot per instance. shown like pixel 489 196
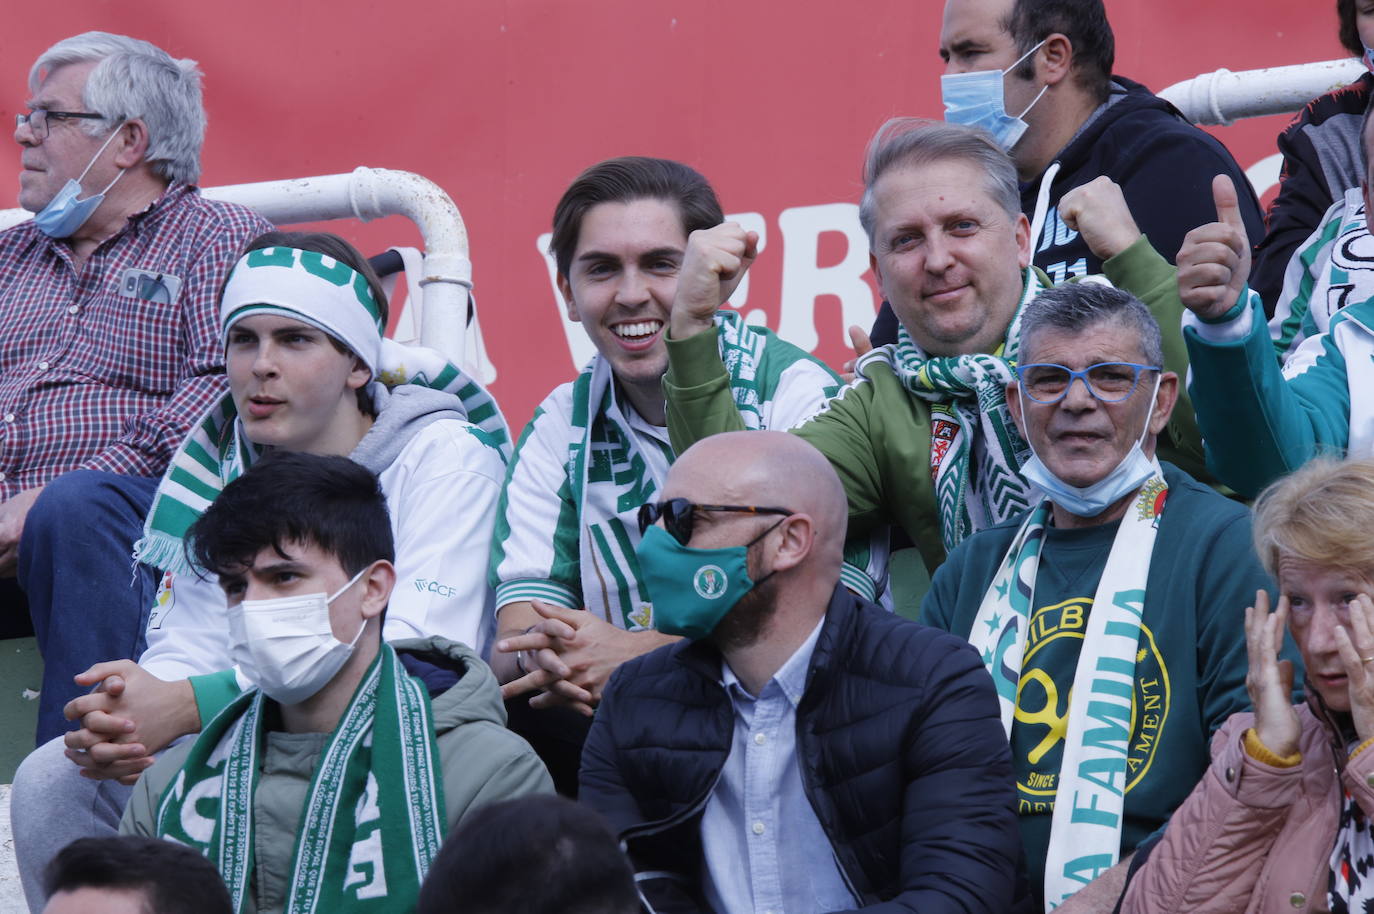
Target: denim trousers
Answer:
pixel 88 599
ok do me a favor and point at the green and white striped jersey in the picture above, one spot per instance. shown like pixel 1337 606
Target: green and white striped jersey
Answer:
pixel 1333 268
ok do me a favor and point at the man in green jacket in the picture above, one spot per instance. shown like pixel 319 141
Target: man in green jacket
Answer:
pixel 329 786
pixel 923 437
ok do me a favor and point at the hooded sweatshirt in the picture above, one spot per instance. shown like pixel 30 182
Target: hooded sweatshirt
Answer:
pixel 442 477
pixel 480 762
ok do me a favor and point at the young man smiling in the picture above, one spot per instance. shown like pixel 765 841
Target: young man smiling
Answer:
pixel 331 783
pixel 571 604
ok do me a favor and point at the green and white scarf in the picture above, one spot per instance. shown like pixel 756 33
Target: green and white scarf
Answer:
pixel 969 391
pixel 1085 833
pixel 611 477
pixel 374 817
pixel 329 295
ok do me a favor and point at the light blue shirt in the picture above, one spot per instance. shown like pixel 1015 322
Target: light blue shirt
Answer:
pixel 766 852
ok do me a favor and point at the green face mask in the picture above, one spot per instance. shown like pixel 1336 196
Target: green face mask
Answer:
pixel 693 589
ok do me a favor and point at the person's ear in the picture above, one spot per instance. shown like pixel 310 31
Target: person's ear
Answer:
pixel 359 375
pixel 378 582
pixel 132 145
pixel 1164 402
pixel 565 289
pixel 796 538
pixel 1013 395
pixel 1056 57
pixel 1023 241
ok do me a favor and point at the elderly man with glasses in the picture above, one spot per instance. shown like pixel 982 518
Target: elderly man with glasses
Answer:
pixel 804 750
pixel 110 349
pixel 1109 614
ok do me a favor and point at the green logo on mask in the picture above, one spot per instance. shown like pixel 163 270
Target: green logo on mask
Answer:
pixel 710 582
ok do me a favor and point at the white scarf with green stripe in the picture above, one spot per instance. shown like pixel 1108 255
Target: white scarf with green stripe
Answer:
pixel 374 817
pixel 1085 832
pixel 331 296
pixel 970 392
pixel 217 452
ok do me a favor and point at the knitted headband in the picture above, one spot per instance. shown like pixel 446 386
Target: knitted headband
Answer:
pixel 309 287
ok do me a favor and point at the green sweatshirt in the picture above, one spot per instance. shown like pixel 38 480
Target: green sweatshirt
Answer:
pixel 1264 421
pixel 1190 674
pixel 877 435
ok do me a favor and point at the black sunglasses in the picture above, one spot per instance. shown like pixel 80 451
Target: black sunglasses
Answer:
pixel 677 514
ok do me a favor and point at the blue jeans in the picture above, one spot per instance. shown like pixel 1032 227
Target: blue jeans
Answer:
pixel 88 600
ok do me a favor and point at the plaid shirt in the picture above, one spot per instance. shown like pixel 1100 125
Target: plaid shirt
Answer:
pixel 92 377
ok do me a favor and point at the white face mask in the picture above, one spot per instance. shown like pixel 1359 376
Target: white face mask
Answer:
pixel 286 646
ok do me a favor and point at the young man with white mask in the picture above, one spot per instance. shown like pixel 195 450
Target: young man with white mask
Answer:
pixel 330 784
pixel 1107 615
pixel 301 322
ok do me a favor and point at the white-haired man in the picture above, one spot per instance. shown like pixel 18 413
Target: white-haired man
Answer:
pixel 108 323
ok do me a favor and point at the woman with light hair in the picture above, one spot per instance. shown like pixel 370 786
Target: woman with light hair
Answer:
pixel 1281 819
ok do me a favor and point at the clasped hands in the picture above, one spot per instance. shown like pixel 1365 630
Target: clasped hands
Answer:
pixel 569 655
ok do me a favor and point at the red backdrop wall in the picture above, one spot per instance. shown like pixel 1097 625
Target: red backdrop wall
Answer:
pixel 502 102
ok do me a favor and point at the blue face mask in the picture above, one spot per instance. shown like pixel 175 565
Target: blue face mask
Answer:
pixel 976 100
pixel 1089 501
pixel 64 214
pixel 693 589
pixel 1368 58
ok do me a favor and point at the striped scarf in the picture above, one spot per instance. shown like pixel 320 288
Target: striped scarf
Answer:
pixel 611 479
pixel 217 452
pixel 374 817
pixel 1098 734
pixel 968 392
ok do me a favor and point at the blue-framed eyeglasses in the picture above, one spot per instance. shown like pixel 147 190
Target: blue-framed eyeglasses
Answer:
pixel 1108 382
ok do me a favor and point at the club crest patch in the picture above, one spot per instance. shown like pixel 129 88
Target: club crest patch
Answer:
pixel 1152 497
pixel 710 582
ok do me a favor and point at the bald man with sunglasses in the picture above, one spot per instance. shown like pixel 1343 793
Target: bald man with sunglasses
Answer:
pixel 1109 614
pixel 801 749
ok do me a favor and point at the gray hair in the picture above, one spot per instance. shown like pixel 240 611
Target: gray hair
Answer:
pixel 1076 306
pixel 916 141
pixel 135 79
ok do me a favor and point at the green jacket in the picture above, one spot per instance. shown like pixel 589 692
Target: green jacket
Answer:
pixel 482 763
pixel 1263 421
pixel 877 435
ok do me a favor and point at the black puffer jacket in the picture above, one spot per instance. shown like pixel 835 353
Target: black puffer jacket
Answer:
pixel 902 755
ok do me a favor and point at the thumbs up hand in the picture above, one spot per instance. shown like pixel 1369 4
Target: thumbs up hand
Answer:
pixel 1214 262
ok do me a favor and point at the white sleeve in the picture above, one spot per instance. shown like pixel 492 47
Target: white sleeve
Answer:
pixel 187 633
pixel 536 550
pixel 442 492
pixel 803 390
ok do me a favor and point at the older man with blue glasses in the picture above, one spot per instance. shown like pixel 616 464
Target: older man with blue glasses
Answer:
pixel 1109 615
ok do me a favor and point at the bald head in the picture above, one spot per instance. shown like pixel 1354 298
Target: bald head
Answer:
pixel 768 469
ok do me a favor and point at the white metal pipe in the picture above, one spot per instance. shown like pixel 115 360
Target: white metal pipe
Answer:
pixel 366 194
pixel 1223 97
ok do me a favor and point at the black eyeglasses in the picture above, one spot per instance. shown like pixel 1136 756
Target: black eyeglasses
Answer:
pixel 677 514
pixel 1109 382
pixel 38 118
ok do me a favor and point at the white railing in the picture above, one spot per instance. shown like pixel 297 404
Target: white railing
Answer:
pixel 1223 97
pixel 366 194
